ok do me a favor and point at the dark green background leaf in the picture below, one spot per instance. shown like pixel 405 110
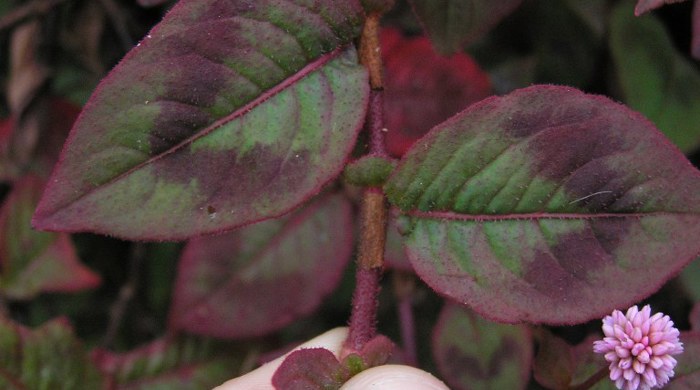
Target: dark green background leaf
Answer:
pixel 654 78
pixel 451 24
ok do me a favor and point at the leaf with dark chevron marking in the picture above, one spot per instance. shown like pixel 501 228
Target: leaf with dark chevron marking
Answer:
pixel 259 278
pixel 547 205
pixel 227 113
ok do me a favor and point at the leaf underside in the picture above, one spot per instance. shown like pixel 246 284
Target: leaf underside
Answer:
pixel 260 278
pixel 548 206
pixel 227 113
pixel 473 353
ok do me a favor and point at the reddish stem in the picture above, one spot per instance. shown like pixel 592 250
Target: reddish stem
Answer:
pixel 370 258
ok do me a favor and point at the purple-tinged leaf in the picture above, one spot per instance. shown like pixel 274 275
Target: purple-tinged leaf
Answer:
pixel 655 78
pixel 560 366
pixel 310 369
pixel 547 205
pixel 473 353
pixel 452 24
pixel 318 368
pixel 49 357
pixel 183 363
pixel 417 96
pixel 644 6
pixel 262 277
pixel 688 369
pixel 32 262
pixel 228 112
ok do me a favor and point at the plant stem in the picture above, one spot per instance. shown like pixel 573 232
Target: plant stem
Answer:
pixel 370 259
pixel 126 293
pixel 595 378
pixel 404 287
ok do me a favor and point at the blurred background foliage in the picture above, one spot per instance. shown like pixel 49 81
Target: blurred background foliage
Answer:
pixel 54 52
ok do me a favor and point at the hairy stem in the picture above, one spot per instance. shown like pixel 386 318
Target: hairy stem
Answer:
pixel 370 259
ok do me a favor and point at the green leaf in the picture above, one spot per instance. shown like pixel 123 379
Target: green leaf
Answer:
pixel 46 358
pixel 473 353
pixel 688 369
pixel 452 24
pixel 547 205
pixel 32 262
pixel 227 113
pixel 654 78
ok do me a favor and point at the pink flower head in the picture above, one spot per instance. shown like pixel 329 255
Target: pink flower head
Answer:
pixel 639 348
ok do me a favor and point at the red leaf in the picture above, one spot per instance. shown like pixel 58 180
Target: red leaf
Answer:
pixel 424 88
pixel 31 261
pixel 310 369
pixel 260 278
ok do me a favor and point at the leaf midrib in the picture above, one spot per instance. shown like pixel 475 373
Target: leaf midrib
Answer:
pixel 450 215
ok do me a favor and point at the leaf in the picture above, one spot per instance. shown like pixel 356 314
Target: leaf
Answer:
pixel 32 262
pixel 381 6
pixel 644 6
pixel 688 369
pixel 418 97
pixel 394 252
pixel 318 368
pixel 559 365
pixel 472 353
pixel 310 369
pixel 452 24
pixel 246 108
pixel 547 205
pixel 260 278
pixel 46 358
pixel 183 363
pixel 655 79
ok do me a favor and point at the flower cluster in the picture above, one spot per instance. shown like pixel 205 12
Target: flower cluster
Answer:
pixel 639 348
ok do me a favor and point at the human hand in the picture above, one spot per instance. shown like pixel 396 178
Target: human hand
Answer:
pixel 387 377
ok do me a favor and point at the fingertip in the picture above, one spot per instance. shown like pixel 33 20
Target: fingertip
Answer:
pixel 394 377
